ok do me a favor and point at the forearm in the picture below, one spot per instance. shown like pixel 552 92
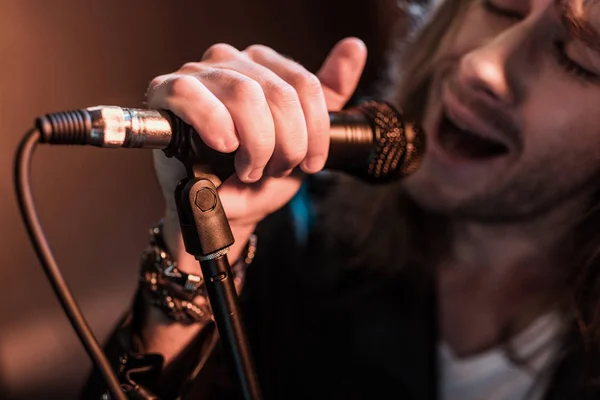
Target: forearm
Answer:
pixel 160 334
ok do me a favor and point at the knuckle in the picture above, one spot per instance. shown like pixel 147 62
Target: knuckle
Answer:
pixel 190 67
pixel 263 148
pixel 320 126
pixel 246 89
pixel 157 81
pixel 294 156
pixel 219 51
pixel 307 83
pixel 181 86
pixel 218 119
pixel 257 50
pixel 291 151
pixel 211 74
pixel 281 93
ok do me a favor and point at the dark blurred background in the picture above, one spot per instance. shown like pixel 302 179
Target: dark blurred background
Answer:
pixel 96 205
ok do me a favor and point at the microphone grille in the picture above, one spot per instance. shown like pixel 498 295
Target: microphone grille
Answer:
pixel 398 147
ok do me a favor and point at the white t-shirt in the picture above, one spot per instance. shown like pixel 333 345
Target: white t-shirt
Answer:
pixel 492 376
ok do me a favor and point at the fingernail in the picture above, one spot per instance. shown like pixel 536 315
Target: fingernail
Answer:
pixel 313 164
pixel 230 144
pixel 254 175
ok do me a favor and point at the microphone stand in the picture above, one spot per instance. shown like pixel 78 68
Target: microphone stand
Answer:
pixel 207 236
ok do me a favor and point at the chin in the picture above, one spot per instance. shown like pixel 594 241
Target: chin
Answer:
pixel 495 206
pixel 429 194
pixel 436 192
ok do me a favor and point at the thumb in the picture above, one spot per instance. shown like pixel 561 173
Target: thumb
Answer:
pixel 341 71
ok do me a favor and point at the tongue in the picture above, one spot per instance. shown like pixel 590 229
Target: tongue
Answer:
pixel 467 144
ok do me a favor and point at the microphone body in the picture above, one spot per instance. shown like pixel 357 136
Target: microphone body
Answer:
pixel 371 141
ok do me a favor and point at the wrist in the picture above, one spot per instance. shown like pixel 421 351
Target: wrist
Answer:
pixel 182 295
pixel 175 246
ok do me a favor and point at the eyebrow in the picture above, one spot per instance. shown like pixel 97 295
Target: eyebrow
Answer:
pixel 577 26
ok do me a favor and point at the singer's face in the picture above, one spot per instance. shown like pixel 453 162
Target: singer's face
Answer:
pixel 513 112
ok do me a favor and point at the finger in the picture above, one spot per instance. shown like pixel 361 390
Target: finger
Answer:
pixel 288 116
pixel 341 71
pixel 242 202
pixel 311 98
pixel 246 102
pixel 220 52
pixel 197 106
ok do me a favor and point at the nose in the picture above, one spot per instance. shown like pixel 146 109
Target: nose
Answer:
pixel 494 71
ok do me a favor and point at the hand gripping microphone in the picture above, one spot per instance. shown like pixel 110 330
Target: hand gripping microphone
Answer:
pixel 371 141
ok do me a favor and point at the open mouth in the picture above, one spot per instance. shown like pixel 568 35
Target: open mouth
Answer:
pixel 466 144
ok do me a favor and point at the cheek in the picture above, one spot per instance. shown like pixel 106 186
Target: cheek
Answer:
pixel 561 127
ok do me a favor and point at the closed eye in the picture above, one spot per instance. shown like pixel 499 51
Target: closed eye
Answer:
pixel 571 66
pixel 492 8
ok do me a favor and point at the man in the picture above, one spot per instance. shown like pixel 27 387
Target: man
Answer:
pixel 475 278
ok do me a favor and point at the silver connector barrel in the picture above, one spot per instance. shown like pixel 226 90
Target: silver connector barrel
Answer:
pixel 129 127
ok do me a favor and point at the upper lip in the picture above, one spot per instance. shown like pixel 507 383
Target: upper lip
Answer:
pixel 485 123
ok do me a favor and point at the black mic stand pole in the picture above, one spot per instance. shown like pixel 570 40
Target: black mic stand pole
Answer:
pixel 207 236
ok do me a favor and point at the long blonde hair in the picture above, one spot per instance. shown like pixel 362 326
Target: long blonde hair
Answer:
pixel 417 54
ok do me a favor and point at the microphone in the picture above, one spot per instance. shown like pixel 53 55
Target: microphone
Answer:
pixel 371 141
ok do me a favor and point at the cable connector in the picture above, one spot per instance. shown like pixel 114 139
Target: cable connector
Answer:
pixel 107 126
